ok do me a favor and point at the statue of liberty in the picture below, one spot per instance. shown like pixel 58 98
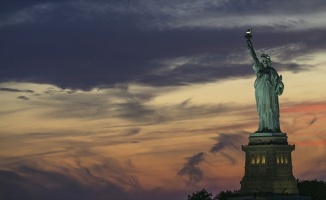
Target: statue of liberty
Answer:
pixel 268 85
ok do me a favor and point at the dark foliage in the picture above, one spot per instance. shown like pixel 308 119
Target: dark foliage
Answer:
pixel 200 195
pixel 204 195
pixel 313 188
pixel 224 195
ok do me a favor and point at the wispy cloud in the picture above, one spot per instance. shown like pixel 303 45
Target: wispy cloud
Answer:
pixel 23 98
pixel 191 169
pixel 208 14
pixel 29 14
pixel 53 185
pixel 230 142
pixel 63 163
pixel 18 186
pixel 125 103
pixel 15 90
pixel 229 14
pixel 225 141
pixel 132 132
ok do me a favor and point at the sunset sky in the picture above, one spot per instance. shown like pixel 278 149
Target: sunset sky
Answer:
pixel 151 99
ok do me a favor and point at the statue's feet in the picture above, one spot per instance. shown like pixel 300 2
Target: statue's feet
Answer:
pixel 267 130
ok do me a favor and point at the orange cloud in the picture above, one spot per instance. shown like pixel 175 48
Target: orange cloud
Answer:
pixel 310 107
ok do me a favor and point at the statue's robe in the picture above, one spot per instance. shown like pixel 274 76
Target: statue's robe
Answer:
pixel 268 86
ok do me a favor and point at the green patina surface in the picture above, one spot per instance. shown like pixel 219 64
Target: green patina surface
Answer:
pixel 268 86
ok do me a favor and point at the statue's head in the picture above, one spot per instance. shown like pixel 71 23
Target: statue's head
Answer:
pixel 266 60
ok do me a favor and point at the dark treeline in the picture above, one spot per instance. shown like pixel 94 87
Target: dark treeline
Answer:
pixel 314 188
pixel 204 195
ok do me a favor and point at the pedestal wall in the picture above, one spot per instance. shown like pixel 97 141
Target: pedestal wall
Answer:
pixel 268 166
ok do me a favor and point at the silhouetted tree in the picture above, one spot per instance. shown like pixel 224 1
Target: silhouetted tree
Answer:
pixel 204 195
pixel 313 188
pixel 200 195
pixel 224 195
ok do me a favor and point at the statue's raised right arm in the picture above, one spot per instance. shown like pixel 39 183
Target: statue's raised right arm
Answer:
pixel 250 46
pixel 252 51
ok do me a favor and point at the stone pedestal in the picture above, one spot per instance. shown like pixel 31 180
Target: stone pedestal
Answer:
pixel 268 168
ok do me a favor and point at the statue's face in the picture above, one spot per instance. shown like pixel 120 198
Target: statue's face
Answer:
pixel 266 62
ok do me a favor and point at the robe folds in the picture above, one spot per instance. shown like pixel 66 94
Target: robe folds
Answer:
pixel 268 85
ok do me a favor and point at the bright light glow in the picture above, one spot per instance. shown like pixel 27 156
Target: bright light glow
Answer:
pixel 263 161
pixel 258 159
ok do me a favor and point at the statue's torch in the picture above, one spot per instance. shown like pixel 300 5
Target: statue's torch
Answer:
pixel 248 34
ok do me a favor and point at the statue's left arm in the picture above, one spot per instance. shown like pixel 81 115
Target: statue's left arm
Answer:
pixel 279 86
